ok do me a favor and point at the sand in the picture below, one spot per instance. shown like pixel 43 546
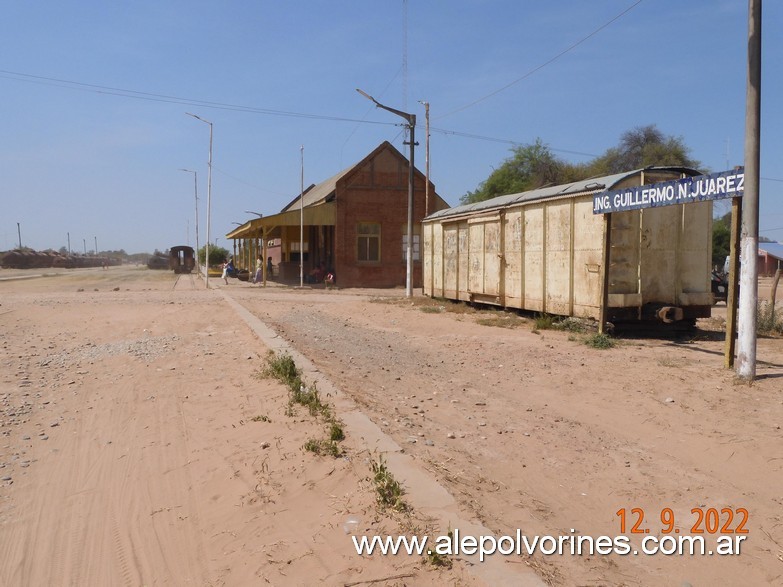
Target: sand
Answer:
pixel 140 446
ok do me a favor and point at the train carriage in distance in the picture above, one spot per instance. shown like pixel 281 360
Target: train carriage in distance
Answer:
pixel 182 259
pixel 546 251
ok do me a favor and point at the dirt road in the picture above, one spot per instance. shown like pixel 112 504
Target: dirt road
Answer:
pixel 139 448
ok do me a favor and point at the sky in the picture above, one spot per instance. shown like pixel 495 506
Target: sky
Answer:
pixel 94 95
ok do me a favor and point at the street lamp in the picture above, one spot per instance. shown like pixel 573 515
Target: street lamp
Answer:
pixel 195 183
pixel 411 118
pixel 209 193
pixel 256 213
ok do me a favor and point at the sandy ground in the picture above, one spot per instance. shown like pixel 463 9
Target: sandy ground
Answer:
pixel 139 448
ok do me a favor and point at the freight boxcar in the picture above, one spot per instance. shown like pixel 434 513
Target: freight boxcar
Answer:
pixel 546 251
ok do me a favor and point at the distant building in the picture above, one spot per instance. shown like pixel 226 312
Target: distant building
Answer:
pixel 770 258
pixel 355 225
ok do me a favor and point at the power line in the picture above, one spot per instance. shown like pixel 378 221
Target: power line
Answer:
pixel 507 141
pixel 543 65
pixel 164 98
pixel 151 97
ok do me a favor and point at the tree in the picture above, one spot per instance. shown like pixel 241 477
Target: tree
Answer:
pixel 529 167
pixel 535 166
pixel 721 239
pixel 216 255
pixel 641 147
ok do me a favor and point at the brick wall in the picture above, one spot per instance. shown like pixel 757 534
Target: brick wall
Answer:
pixel 378 193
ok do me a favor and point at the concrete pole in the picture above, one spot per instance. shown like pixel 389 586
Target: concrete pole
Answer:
pixel 409 251
pixel 749 241
pixel 301 218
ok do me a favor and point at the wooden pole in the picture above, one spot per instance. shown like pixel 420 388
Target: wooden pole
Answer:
pixel 733 294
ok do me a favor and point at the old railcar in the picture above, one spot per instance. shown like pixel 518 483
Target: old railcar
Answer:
pixel 182 259
pixel 546 251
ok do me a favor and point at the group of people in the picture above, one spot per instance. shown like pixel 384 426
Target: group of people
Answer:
pixel 258 277
pixel 318 275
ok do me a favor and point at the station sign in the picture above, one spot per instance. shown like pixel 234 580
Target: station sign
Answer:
pixel 715 186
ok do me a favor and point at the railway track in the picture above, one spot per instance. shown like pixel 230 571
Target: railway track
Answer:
pixel 188 283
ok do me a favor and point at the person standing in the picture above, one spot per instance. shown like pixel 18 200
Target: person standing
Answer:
pixel 259 276
pixel 225 271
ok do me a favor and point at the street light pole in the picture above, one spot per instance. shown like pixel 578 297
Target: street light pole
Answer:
pixel 411 118
pixel 195 183
pixel 426 157
pixel 96 245
pixel 209 195
pixel 19 232
pixel 301 218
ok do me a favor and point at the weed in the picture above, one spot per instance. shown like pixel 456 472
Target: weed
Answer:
pixel 767 321
pixel 336 433
pixel 283 368
pixel 432 309
pixel 500 320
pixel 440 560
pixel 600 341
pixel 544 322
pixel 572 324
pixel 323 447
pixel 388 489
pixel 260 419
pixel 567 324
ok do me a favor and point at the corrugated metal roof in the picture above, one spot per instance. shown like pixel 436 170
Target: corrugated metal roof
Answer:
pixel 593 184
pixel 317 194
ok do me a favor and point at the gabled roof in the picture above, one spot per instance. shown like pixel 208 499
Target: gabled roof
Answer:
pixel 593 184
pixel 324 191
pixel 317 205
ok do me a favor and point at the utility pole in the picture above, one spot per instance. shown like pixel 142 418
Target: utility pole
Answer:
pixel 411 120
pixel 19 232
pixel 749 241
pixel 301 218
pixel 426 157
pixel 195 185
pixel 69 242
pixel 209 199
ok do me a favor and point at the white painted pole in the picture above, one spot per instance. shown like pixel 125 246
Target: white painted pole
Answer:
pixel 749 241
pixel 301 218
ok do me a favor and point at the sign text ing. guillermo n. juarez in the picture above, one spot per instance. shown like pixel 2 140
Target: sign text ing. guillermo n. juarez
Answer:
pixel 715 186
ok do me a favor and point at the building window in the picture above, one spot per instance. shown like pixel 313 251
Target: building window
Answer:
pixel 368 239
pixel 416 232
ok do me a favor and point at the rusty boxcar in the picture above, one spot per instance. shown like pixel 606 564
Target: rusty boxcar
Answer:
pixel 182 259
pixel 546 251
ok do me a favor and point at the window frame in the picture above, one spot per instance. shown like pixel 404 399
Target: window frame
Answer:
pixel 368 237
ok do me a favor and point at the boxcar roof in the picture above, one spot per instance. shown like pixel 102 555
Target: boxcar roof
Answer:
pixel 590 185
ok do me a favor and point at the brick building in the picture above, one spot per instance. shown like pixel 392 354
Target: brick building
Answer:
pixel 355 225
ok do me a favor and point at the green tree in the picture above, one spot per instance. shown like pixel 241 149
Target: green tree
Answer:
pixel 641 147
pixel 529 167
pixel 535 166
pixel 721 239
pixel 216 255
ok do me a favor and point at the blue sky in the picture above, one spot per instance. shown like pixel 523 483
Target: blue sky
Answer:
pixel 78 157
